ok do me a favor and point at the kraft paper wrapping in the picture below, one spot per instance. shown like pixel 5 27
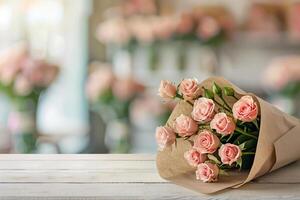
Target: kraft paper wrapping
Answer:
pixel 278 145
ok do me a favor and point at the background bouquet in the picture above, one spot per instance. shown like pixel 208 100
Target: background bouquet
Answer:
pixel 23 78
pixel 217 133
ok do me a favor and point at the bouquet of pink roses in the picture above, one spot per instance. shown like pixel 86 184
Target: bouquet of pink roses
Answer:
pixel 218 133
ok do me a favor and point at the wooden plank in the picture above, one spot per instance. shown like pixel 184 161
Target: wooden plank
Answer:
pixel 77 157
pixel 147 191
pixel 60 170
pixel 77 165
pixel 120 177
pixel 68 176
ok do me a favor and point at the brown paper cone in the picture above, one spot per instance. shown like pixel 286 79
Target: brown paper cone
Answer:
pixel 278 145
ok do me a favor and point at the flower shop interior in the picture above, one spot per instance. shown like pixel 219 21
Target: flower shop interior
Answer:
pixel 82 76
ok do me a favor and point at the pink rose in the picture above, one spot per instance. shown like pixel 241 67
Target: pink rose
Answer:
pixel 167 90
pixel 208 28
pixel 113 30
pixel 22 86
pixel 189 89
pixel 223 124
pixel 206 142
pixel 229 153
pixel 207 172
pixel 126 88
pixel 203 110
pixel 185 126
pixel 164 27
pixel 194 157
pixel 100 80
pixel 245 109
pixel 185 24
pixel 142 29
pixel 164 136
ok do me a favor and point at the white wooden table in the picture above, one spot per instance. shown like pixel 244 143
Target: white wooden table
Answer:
pixel 119 177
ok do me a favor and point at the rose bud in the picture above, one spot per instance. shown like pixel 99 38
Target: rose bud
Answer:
pixel 228 91
pixel 229 153
pixel 203 110
pixel 167 90
pixel 165 136
pixel 185 126
pixel 245 109
pixel 194 157
pixel 206 142
pixel 189 89
pixel 223 124
pixel 207 172
pixel 217 89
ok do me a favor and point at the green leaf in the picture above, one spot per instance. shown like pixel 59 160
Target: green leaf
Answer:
pixel 240 139
pixel 223 172
pixel 228 91
pixel 213 158
pixel 249 144
pixel 247 161
pixel 239 162
pixel 242 146
pixel 208 93
pixel 216 89
pixel 229 137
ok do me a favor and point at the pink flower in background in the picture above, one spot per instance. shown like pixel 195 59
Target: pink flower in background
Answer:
pixel 203 110
pixel 185 126
pixel 124 89
pixel 14 122
pixel 113 31
pixel 165 136
pixel 229 153
pixel 11 63
pixel 282 71
pixel 185 24
pixel 206 142
pixel 167 90
pixel 142 29
pixel 100 80
pixel 194 157
pixel 245 109
pixel 262 22
pixel 294 20
pixel 22 86
pixel 189 88
pixel 164 27
pixel 39 72
pixel 207 172
pixel 223 124
pixel 132 7
pixel 208 27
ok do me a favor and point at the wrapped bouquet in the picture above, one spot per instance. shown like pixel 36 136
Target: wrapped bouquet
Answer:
pixel 221 135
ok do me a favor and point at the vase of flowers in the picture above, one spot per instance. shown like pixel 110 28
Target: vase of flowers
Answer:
pixel 23 79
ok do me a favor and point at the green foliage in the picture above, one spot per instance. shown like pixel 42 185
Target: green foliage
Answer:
pixel 228 91
pixel 216 89
pixel 213 158
pixel 291 90
pixel 208 93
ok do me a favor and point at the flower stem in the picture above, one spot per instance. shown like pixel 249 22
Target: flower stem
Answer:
pixel 256 124
pixel 181 98
pixel 221 106
pixel 204 126
pixel 235 97
pixel 244 133
pixel 225 102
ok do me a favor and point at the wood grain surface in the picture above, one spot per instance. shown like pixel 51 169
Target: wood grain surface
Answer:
pixel 113 176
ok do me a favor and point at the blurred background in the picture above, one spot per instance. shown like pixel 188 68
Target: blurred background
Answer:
pixel 81 76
